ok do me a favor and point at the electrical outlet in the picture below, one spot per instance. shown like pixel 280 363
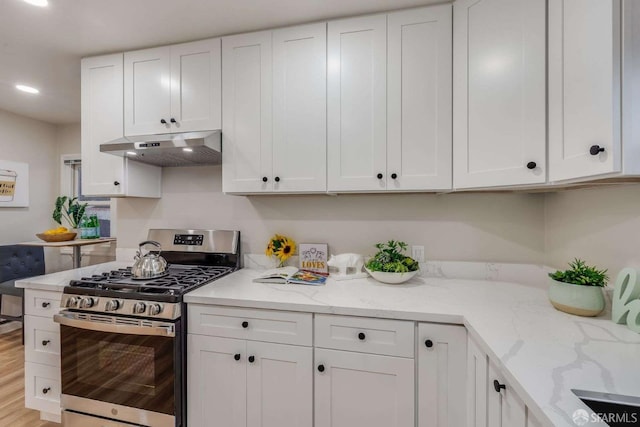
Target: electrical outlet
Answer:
pixel 417 253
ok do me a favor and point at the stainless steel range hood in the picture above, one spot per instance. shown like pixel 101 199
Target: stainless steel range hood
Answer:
pixel 174 149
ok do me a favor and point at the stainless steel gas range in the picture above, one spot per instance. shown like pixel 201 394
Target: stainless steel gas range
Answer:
pixel 123 340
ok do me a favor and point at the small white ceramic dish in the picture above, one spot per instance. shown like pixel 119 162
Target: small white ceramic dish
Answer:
pixel 391 278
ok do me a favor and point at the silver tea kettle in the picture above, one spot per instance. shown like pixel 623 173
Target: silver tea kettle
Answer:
pixel 150 265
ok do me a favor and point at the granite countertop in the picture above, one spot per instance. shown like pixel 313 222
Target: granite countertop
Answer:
pixel 543 353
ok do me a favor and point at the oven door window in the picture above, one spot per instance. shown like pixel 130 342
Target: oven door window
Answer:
pixel 129 370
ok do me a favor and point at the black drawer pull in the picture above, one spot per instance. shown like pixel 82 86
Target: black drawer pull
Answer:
pixel 320 368
pixel 45 342
pixel 163 121
pixel 251 359
pixel 46 390
pixel 361 336
pixel 245 324
pixel 428 343
pixel 236 356
pixel 497 386
pixel 594 150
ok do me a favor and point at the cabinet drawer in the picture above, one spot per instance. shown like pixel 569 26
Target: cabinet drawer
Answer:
pixel 259 325
pixel 42 387
pixel 378 336
pixel 41 303
pixel 41 340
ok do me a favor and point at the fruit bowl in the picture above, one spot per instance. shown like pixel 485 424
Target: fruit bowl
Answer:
pixel 391 278
pixel 59 237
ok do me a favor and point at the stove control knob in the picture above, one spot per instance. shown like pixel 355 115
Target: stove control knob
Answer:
pixel 139 308
pixel 87 302
pixel 112 305
pixel 155 309
pixel 71 302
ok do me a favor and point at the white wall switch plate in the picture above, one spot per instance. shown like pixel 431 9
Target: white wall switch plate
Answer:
pixel 417 253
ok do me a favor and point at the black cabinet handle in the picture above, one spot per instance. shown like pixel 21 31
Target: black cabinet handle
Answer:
pixel 45 342
pixel 394 175
pixel 265 179
pixel 163 121
pixel 245 324
pixel 320 368
pixel 497 386
pixel 361 336
pixel 172 120
pixel 251 359
pixel 379 176
pixel 46 390
pixel 531 165
pixel 46 304
pixel 428 343
pixel 116 183
pixel 595 150
pixel 276 179
pixel 236 356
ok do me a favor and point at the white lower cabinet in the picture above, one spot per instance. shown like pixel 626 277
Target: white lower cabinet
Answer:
pixel 441 375
pixel 42 353
pixel 235 382
pixel 491 401
pixel 359 389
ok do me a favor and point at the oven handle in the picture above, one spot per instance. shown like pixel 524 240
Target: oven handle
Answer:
pixel 69 320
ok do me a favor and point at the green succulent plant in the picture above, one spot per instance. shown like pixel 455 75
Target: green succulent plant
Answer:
pixel 581 274
pixel 390 258
pixel 70 209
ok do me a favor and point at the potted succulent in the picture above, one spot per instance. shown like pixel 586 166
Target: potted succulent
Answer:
pixel 390 265
pixel 578 290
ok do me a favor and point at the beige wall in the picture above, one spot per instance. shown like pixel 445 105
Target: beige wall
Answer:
pixel 600 225
pixel 477 227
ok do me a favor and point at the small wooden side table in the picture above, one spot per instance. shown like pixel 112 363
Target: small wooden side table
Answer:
pixel 75 244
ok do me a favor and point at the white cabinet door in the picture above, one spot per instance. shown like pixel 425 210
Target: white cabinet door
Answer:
pixel 584 88
pixel 358 389
pixel 195 86
pixel 216 381
pixel 419 99
pixel 441 375
pixel 147 91
pixel 499 88
pixel 357 104
pixel 102 89
pixel 299 108
pixel 505 407
pixel 477 385
pixel 279 385
pixel 246 113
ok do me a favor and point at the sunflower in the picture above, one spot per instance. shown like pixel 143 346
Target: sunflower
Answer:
pixel 286 249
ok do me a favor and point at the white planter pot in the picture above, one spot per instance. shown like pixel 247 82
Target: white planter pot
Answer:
pixel 576 299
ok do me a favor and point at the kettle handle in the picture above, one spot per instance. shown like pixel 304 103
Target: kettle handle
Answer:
pixel 150 242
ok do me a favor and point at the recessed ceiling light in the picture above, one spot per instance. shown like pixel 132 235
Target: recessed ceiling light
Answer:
pixel 27 89
pixel 39 3
pixel 188 150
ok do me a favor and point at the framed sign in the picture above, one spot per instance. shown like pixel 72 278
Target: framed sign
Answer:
pixel 313 257
pixel 14 184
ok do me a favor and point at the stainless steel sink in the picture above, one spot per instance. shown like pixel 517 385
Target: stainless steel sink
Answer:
pixel 614 409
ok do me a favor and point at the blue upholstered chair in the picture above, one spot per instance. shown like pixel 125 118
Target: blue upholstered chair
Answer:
pixel 18 262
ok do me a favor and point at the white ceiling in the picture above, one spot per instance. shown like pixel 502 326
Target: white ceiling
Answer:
pixel 42 47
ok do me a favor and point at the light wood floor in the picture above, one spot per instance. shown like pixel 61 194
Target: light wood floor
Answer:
pixel 12 410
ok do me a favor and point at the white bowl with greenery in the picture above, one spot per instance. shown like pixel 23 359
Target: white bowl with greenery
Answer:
pixel 578 290
pixel 390 265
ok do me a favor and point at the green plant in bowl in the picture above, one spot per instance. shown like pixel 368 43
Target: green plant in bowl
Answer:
pixel 578 290
pixel 390 265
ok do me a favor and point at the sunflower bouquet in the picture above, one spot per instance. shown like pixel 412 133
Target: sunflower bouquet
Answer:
pixel 281 247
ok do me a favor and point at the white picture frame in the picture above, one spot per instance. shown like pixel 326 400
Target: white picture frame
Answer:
pixel 14 184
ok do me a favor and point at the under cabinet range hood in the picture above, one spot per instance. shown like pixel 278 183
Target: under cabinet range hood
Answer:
pixel 173 149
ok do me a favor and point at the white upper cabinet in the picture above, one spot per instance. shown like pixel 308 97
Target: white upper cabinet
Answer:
pixel 274 102
pixel 584 88
pixel 357 104
pixel 419 75
pixel 172 88
pixel 300 108
pixel 247 113
pixel 102 112
pixel 499 87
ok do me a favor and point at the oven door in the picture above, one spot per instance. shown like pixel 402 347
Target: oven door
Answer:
pixel 127 363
